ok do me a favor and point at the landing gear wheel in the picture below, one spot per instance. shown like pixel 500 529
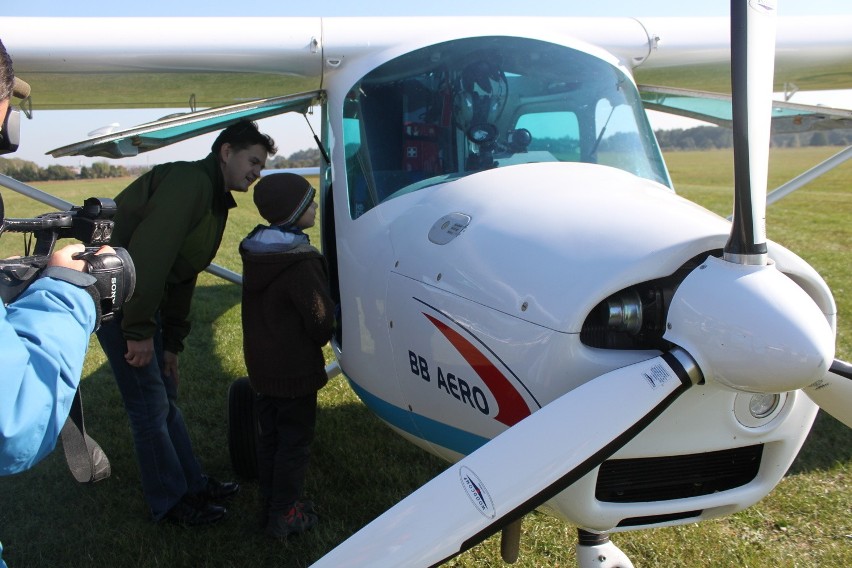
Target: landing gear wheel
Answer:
pixel 242 428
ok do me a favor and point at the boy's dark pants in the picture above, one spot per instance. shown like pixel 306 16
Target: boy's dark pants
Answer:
pixel 285 432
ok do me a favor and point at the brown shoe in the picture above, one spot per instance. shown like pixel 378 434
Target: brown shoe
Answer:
pixel 193 512
pixel 218 490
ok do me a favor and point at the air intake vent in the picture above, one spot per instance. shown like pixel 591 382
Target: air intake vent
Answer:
pixel 658 519
pixel 676 477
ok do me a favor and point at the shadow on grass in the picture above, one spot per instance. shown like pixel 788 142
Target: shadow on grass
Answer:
pixel 359 469
pixel 49 520
pixel 829 443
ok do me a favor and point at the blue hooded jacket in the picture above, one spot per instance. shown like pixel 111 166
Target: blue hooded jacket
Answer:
pixel 44 336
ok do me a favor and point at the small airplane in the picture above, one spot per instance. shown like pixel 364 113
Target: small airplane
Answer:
pixel 521 290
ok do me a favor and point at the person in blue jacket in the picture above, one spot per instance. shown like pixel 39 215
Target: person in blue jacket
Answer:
pixel 44 335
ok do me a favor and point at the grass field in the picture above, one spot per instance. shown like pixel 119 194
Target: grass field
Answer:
pixel 360 468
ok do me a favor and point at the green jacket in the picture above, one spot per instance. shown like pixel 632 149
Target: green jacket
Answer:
pixel 171 222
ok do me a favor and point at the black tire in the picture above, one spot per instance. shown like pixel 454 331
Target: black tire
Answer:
pixel 242 428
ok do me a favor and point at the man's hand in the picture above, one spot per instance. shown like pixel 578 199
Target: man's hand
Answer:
pixel 63 256
pixel 139 352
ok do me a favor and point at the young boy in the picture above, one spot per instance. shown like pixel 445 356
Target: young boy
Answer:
pixel 287 317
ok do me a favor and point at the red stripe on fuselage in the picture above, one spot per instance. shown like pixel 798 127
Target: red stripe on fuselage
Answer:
pixel 512 407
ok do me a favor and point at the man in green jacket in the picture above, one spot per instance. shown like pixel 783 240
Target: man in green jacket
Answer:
pixel 171 221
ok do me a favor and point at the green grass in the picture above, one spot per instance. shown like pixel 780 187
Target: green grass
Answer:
pixel 360 468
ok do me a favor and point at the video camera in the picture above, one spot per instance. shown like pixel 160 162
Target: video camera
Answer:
pixel 91 224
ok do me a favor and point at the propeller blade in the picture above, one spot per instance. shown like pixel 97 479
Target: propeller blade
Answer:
pixel 548 451
pixel 801 339
pixel 752 72
pixel 833 393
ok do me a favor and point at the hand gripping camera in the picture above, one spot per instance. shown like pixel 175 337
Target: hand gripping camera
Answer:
pixel 91 223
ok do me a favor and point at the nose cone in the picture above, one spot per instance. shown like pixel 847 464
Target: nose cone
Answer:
pixel 750 328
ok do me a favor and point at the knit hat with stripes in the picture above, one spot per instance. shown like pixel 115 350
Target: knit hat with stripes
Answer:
pixel 283 198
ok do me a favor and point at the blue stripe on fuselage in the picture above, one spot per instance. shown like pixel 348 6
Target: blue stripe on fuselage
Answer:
pixel 422 427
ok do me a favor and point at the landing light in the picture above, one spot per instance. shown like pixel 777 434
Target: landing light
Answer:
pixel 755 410
pixel 762 405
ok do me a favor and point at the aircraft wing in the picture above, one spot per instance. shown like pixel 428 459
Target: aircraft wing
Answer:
pixel 88 63
pixel 716 108
pixel 78 63
pixel 812 53
pixel 182 126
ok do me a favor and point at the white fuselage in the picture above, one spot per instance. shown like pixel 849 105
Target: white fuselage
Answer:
pixel 463 303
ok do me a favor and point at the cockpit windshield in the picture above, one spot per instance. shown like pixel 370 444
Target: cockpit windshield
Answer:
pixel 456 108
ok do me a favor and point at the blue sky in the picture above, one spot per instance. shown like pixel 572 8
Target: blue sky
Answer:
pixel 291 133
pixel 385 8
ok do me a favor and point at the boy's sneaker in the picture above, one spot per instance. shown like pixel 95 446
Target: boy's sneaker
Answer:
pixel 306 506
pixel 299 518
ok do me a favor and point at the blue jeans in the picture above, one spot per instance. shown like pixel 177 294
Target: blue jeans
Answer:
pixel 167 464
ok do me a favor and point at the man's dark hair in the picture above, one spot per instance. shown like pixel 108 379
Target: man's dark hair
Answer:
pixel 241 135
pixel 7 74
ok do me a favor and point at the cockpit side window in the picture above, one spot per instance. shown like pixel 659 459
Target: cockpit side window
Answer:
pixel 398 133
pixel 555 134
pixel 360 198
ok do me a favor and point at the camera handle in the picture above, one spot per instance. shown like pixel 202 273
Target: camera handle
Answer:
pixel 115 280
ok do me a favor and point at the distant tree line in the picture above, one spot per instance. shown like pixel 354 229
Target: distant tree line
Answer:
pixel 710 137
pixel 302 159
pixel 698 138
pixel 26 171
